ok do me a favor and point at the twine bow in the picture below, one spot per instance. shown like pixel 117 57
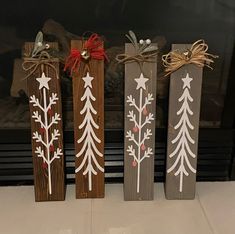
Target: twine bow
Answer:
pixel 144 51
pixel 91 49
pixel 197 55
pixel 32 64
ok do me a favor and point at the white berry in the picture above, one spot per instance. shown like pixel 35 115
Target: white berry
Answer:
pixel 148 41
pixel 47 46
pixel 141 41
pixel 39 44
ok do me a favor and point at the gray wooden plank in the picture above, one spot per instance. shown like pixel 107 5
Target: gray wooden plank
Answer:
pixel 183 126
pixel 142 188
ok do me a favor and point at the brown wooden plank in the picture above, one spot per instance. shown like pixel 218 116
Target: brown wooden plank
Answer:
pixel 185 82
pixel 89 185
pixel 43 190
pixel 141 189
pixel 17 83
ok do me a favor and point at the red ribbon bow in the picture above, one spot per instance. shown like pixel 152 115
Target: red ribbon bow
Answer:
pixel 93 48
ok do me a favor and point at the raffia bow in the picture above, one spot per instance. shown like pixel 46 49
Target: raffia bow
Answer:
pixel 31 64
pixel 91 49
pixel 196 55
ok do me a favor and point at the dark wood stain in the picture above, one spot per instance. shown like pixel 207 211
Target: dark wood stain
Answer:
pixel 97 71
pixel 57 166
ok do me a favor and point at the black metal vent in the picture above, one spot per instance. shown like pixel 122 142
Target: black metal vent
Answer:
pixel 214 157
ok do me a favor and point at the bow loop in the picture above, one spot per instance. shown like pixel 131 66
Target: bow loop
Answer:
pixel 93 42
pixel 196 55
pixel 31 64
pixel 91 49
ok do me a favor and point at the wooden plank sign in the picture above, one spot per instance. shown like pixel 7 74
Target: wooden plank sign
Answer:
pixel 88 98
pixel 46 126
pixel 140 106
pixel 183 126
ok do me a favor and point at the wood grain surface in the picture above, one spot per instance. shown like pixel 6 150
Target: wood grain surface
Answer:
pixel 96 70
pixel 146 167
pixel 57 166
pixel 181 173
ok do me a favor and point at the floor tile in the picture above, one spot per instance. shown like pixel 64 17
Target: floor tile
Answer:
pixel 112 215
pixel 218 202
pixel 19 214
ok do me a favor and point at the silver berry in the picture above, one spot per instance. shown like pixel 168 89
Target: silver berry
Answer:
pixel 148 41
pixel 39 44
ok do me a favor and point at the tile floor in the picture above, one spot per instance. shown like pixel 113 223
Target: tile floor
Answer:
pixel 212 212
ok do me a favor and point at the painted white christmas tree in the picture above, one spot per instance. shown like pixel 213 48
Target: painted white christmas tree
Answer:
pixel 183 139
pixel 89 149
pixel 45 117
pixel 140 117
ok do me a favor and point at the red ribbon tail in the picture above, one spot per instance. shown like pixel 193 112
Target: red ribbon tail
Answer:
pixel 99 54
pixel 73 61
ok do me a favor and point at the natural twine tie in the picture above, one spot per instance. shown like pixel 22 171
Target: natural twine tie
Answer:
pixel 196 55
pixel 138 57
pixel 144 51
pixel 31 64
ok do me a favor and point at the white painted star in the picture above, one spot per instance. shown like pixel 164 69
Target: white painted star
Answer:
pixel 87 79
pixel 187 81
pixel 141 82
pixel 43 81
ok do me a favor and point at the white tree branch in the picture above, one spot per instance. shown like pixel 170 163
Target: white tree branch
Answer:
pixel 147 135
pixel 38 119
pixel 131 137
pixel 38 138
pixel 57 154
pixel 132 117
pixel 35 102
pixel 40 153
pixel 54 120
pixel 147 154
pixel 148 119
pixel 132 102
pixel 54 136
pixel 52 100
pixel 131 151
pixel 148 100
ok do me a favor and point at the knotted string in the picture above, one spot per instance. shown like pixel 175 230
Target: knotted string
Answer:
pixel 196 55
pixel 31 64
pixel 138 57
pixel 91 50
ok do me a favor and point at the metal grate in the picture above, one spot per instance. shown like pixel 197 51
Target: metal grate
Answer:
pixel 214 158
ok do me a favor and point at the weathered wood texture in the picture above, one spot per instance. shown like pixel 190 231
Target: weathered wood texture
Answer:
pixel 139 177
pixel 18 85
pixel 56 169
pixel 96 70
pixel 183 126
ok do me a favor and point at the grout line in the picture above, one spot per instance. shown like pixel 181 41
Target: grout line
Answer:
pixel 204 212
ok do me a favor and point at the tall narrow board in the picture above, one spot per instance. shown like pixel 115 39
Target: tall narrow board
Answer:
pixel 140 86
pixel 183 126
pixel 89 185
pixel 18 85
pixel 46 189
